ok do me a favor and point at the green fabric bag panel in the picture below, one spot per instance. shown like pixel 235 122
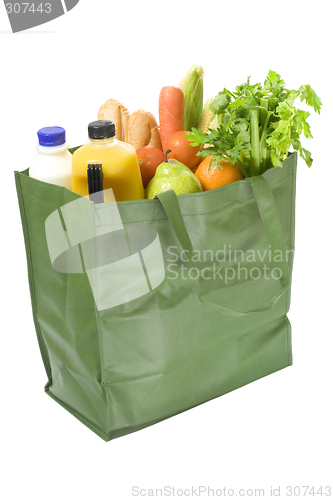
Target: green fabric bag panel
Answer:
pixel 144 309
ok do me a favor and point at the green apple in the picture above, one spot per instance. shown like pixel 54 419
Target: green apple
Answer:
pixel 172 174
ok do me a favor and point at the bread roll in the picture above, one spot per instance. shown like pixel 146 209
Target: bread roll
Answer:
pixel 143 130
pixel 115 111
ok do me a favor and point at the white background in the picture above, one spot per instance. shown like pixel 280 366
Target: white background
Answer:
pixel 275 431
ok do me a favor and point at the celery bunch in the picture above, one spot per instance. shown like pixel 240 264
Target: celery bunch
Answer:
pixel 258 125
pixel 192 86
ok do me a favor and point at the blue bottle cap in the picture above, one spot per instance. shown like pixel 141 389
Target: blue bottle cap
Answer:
pixel 51 136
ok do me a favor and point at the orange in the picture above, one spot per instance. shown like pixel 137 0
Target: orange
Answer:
pixel 217 177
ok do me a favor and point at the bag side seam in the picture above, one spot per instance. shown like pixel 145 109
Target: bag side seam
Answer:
pixel 290 263
pixel 40 338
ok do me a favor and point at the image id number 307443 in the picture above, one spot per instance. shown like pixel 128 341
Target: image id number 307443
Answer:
pixel 297 491
pixel 26 7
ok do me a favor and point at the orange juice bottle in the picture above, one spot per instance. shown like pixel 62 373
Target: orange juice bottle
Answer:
pixel 120 167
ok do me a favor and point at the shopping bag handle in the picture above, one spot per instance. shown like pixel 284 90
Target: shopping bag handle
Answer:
pixel 271 222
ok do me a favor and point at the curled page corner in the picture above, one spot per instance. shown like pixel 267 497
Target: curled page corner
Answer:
pixel 26 15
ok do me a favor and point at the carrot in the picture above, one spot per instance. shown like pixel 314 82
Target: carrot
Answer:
pixel 171 112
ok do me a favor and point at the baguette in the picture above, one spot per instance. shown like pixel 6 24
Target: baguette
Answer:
pixel 115 111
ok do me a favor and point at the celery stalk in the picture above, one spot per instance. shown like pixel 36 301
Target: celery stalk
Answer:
pixel 263 110
pixel 264 117
pixel 255 144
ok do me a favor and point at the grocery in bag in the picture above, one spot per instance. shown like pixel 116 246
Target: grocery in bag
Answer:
pixel 179 292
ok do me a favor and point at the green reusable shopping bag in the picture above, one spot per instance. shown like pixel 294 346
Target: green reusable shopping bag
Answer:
pixel 144 309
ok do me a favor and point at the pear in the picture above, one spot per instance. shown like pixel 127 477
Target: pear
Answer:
pixel 172 174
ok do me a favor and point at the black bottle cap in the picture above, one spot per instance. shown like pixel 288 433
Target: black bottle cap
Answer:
pixel 101 129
